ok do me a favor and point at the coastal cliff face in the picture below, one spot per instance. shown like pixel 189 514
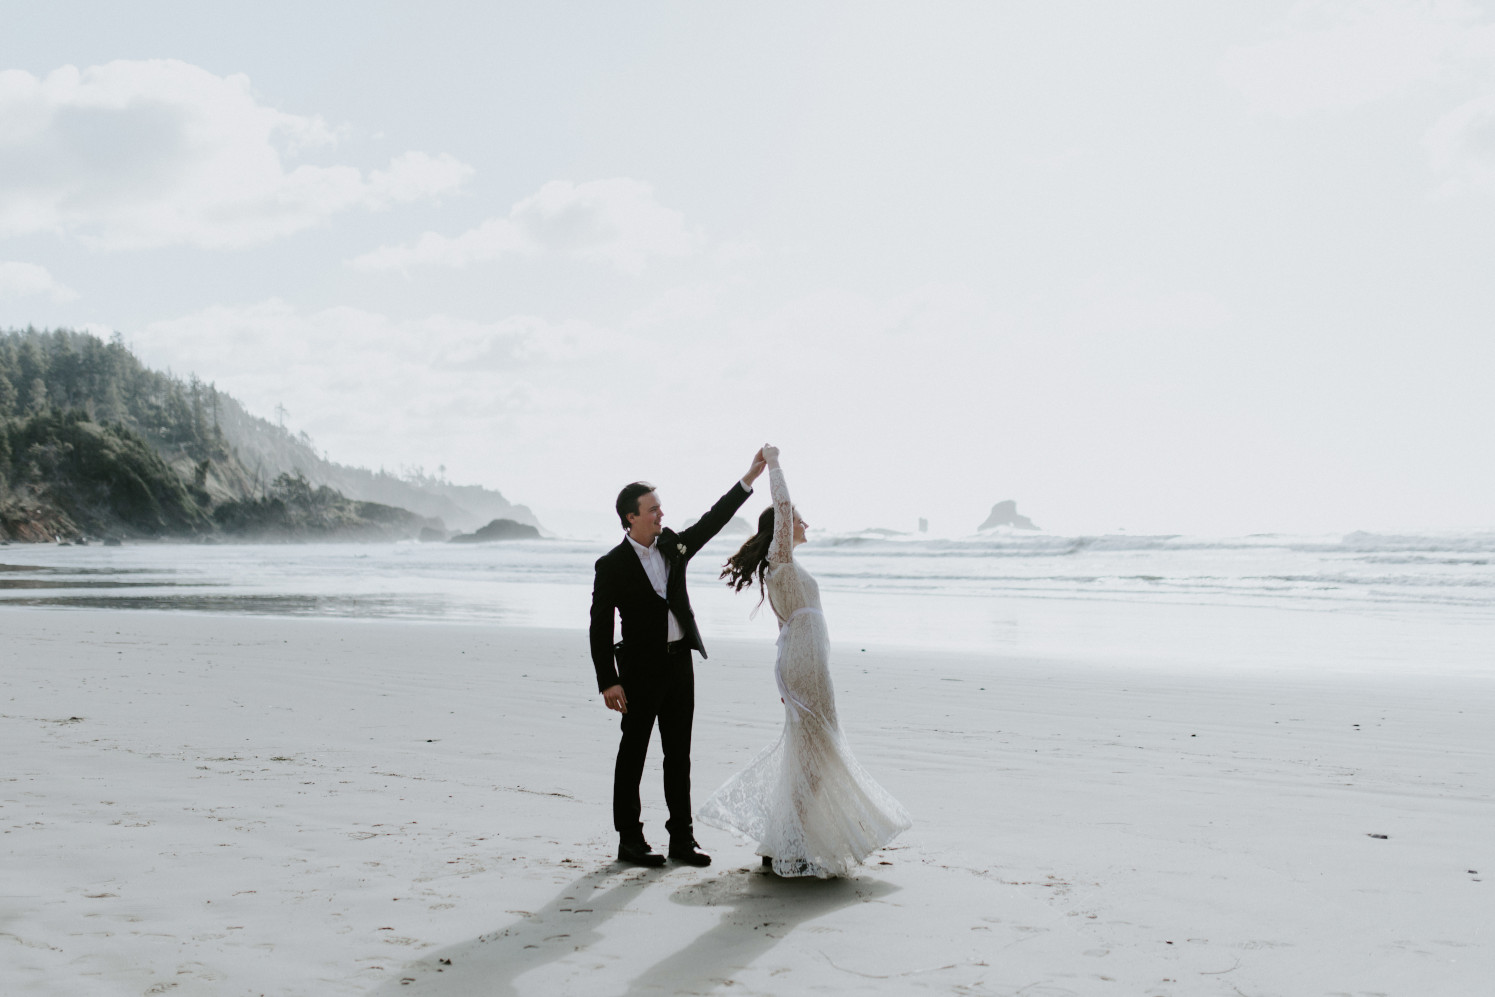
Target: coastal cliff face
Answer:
pixel 266 450
pixel 92 443
pixel 24 518
pixel 73 475
pixel 294 509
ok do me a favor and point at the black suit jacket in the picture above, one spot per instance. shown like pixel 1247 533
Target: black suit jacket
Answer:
pixel 622 584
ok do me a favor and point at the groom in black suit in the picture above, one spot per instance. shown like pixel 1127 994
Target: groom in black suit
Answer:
pixel 649 675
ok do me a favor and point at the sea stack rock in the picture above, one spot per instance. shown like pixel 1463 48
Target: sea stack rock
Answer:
pixel 1005 513
pixel 499 529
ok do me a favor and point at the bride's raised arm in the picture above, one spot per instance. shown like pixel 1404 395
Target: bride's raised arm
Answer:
pixel 781 549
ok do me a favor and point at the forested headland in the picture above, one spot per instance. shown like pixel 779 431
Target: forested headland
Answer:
pixel 94 444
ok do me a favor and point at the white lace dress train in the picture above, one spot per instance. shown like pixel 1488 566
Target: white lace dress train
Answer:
pixel 804 799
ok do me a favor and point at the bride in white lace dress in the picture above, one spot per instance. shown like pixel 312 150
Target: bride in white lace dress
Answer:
pixel 807 803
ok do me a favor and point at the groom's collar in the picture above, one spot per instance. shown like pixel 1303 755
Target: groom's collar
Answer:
pixel 638 546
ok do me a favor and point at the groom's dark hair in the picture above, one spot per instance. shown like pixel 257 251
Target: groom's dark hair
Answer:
pixel 628 499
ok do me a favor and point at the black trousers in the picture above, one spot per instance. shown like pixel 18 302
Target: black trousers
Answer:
pixel 666 693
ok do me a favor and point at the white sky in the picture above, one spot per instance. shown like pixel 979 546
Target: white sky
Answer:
pixel 1167 266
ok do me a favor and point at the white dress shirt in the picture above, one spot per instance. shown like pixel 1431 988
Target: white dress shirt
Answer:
pixel 658 570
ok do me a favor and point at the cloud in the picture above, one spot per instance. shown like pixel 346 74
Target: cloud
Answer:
pixel 685 306
pixel 493 238
pixel 738 251
pixel 22 280
pixel 618 222
pixel 1339 54
pixel 135 155
pixel 1461 147
pixel 553 409
pixel 929 401
pixel 387 391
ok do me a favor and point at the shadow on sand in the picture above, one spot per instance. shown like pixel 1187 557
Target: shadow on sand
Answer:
pixel 757 911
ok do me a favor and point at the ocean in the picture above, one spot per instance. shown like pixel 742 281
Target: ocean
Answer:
pixel 1351 600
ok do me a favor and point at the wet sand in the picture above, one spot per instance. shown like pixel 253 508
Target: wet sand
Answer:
pixel 210 805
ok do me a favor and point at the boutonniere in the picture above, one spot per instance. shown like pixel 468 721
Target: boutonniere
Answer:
pixel 670 548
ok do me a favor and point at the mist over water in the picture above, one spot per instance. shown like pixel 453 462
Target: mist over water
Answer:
pixel 1125 597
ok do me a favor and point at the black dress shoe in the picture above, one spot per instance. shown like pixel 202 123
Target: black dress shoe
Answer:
pixel 768 862
pixel 689 852
pixel 639 853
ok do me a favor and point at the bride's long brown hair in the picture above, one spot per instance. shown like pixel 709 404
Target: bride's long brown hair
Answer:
pixel 751 558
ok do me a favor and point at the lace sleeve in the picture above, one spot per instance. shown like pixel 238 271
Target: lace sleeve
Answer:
pixel 781 549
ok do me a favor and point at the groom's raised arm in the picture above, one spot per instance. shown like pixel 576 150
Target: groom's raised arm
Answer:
pixel 719 515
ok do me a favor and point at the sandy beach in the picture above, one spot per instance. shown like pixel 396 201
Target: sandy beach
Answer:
pixel 217 805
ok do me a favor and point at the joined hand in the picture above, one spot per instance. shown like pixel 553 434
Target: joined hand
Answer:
pixel 756 468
